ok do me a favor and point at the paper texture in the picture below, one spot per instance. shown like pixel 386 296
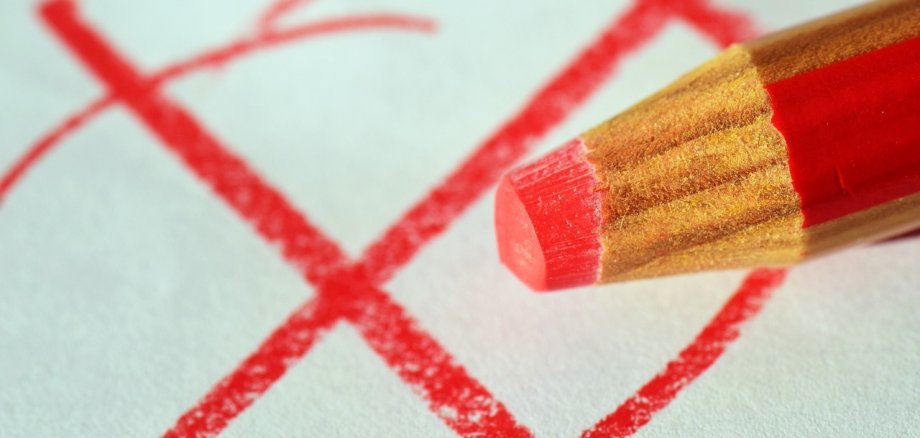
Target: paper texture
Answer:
pixel 293 236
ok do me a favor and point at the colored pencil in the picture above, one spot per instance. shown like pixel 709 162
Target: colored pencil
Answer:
pixel 777 150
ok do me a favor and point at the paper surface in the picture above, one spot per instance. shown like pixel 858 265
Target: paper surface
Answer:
pixel 225 248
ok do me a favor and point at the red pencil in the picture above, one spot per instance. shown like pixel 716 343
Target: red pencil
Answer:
pixel 777 150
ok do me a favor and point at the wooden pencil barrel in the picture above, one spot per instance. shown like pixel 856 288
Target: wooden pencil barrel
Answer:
pixel 776 150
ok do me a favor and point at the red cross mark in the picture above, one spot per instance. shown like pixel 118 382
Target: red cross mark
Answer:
pixel 350 291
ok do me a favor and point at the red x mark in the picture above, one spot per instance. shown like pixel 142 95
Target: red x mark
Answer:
pixel 350 291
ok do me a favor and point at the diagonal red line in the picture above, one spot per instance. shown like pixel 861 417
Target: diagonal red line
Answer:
pixel 258 372
pixel 462 402
pixel 696 358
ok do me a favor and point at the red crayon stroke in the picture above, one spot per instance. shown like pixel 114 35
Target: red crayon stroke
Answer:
pixel 256 374
pixel 215 57
pixel 696 358
pixel 458 399
pixel 35 152
pixel 301 244
pixel 462 402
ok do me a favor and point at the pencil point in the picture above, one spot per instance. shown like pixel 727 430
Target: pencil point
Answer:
pixel 547 216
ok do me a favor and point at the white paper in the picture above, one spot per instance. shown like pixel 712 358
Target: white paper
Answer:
pixel 130 289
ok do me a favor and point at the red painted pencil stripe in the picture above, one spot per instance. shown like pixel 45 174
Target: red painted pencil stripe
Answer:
pixel 258 372
pixel 846 161
pixel 708 346
pixel 545 110
pixel 227 175
pixel 217 56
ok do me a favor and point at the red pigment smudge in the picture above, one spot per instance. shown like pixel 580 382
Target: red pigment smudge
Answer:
pixel 844 162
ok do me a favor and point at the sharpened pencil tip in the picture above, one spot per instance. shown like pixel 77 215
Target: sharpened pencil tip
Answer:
pixel 547 216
